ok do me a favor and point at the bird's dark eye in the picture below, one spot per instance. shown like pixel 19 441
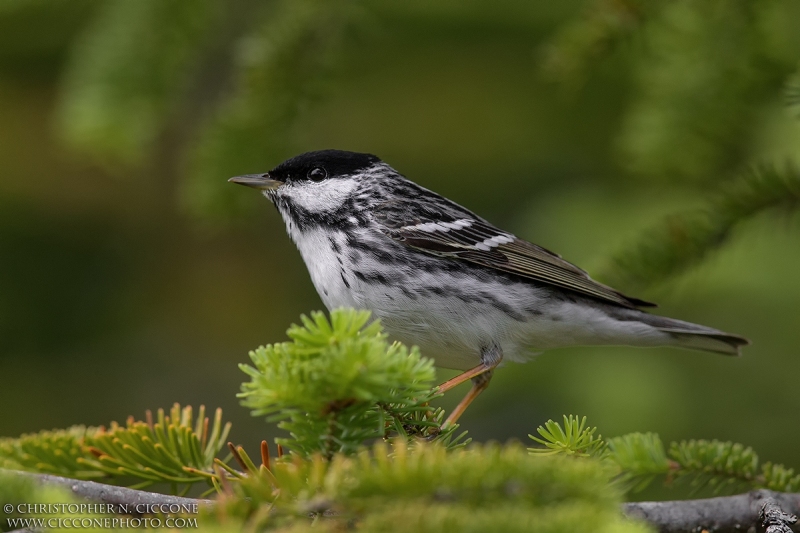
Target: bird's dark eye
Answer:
pixel 317 174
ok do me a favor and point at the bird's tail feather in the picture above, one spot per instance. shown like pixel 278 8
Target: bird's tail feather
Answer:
pixel 692 336
pixel 713 341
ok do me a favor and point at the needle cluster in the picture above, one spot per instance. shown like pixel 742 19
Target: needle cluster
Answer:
pixel 339 383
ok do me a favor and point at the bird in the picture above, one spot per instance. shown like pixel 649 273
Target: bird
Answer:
pixel 469 294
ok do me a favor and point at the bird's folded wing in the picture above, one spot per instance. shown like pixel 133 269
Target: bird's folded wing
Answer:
pixel 458 235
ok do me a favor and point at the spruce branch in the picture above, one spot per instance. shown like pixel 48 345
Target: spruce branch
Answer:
pixel 340 383
pixel 639 458
pixel 684 240
pixel 178 449
pixel 728 514
pixel 719 465
pixel 725 514
pixel 401 487
pixel 779 478
pixel 57 452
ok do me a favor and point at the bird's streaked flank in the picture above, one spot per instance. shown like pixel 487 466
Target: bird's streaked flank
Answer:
pixel 437 275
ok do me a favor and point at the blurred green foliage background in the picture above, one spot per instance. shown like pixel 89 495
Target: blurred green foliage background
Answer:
pixel 617 133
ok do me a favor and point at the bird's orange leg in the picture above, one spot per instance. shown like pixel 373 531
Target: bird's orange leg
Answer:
pixel 464 376
pixel 481 375
pixel 479 384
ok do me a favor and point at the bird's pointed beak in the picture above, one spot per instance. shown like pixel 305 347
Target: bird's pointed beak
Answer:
pixel 257 181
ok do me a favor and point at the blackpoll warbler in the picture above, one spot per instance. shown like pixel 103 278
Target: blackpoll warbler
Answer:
pixel 439 276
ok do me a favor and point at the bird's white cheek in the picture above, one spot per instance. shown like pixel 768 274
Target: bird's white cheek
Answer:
pixel 322 197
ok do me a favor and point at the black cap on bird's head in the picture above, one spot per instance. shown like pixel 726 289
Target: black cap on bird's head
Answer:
pixel 311 166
